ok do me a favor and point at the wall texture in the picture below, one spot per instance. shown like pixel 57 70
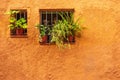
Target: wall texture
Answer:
pixel 94 56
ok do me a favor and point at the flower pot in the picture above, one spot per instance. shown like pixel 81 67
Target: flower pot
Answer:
pixel 71 38
pixel 44 39
pixel 19 31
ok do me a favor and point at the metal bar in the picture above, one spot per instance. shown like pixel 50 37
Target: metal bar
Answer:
pixel 46 19
pixel 24 14
pixel 51 18
pixel 16 16
pixel 20 14
pixel 40 14
pixel 56 16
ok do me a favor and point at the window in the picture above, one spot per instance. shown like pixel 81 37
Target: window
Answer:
pixel 49 18
pixel 18 23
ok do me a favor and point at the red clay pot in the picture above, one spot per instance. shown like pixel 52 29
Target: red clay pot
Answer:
pixel 70 38
pixel 19 31
pixel 44 39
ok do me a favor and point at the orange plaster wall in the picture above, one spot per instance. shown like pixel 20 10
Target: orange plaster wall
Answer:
pixel 94 56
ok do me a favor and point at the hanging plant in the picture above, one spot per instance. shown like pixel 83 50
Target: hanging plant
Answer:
pixel 65 30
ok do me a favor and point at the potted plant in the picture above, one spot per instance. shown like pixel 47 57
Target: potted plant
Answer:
pixel 74 26
pixel 65 30
pixel 43 37
pixel 20 26
pixel 74 29
pixel 17 27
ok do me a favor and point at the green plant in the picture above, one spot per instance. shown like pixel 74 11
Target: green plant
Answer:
pixel 42 29
pixel 12 19
pixel 17 26
pixel 74 26
pixel 65 28
pixel 14 23
pixel 44 32
pixel 12 12
pixel 21 23
pixel 59 32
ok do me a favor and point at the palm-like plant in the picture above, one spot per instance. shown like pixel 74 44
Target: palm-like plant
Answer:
pixel 65 28
pixel 59 32
pixel 72 24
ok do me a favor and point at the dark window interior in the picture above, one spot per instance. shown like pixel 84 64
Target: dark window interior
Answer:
pixel 21 14
pixel 50 17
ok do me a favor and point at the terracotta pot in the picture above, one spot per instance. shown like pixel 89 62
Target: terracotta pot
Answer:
pixel 19 31
pixel 44 39
pixel 71 38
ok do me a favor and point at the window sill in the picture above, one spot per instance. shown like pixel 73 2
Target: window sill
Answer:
pixel 19 36
pixel 43 43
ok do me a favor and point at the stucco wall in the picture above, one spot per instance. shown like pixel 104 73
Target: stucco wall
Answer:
pixel 94 56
